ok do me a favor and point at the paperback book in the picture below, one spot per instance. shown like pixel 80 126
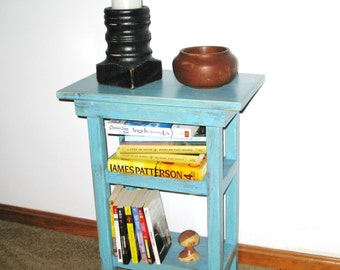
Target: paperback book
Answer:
pixel 157 225
pixel 137 204
pixel 199 136
pixel 125 246
pixel 146 237
pixel 150 129
pixel 117 225
pixel 130 226
pixel 113 198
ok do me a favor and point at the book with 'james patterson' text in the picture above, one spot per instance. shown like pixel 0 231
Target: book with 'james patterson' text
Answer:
pixel 157 168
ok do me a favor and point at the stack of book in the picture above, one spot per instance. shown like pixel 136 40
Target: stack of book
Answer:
pixel 158 149
pixel 140 230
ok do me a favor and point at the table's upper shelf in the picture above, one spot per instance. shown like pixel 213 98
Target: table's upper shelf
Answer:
pixel 168 92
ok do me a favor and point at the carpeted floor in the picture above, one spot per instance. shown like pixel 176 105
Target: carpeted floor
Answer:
pixel 25 247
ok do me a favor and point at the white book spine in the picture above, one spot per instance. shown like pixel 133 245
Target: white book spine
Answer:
pixel 122 127
pixel 118 242
pixel 152 235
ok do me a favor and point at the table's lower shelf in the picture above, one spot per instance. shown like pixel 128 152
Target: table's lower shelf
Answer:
pixel 172 263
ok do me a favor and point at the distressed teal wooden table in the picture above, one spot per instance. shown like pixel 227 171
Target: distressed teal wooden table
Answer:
pixel 169 101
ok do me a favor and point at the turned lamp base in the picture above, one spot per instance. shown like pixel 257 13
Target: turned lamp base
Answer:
pixel 129 62
pixel 129 76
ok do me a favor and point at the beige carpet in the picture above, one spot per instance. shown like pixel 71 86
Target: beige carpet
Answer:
pixel 26 247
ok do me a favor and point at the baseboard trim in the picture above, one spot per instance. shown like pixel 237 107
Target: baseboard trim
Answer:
pixel 57 222
pixel 285 260
pixel 252 255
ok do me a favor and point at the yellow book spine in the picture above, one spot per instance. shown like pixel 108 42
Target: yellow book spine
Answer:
pixel 112 220
pixel 158 169
pixel 177 158
pixel 166 147
pixel 113 229
pixel 131 235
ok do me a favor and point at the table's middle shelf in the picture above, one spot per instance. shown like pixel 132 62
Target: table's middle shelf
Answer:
pixel 230 168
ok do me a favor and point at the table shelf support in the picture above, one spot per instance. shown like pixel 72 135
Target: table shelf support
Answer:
pixel 98 150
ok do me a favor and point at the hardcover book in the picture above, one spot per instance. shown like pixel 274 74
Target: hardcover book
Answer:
pixel 194 159
pixel 143 128
pixel 154 147
pixel 157 225
pixel 157 168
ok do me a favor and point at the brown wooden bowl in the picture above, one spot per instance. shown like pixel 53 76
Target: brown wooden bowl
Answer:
pixel 205 67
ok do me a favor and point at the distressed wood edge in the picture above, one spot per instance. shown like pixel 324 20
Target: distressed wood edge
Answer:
pixel 251 255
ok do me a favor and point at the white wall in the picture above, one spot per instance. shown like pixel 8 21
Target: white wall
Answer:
pixel 289 134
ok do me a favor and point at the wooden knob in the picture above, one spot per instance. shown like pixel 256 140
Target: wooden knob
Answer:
pixel 188 239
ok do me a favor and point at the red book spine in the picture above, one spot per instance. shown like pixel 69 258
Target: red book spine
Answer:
pixel 146 237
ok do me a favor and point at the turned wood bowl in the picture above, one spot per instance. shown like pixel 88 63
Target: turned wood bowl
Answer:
pixel 205 67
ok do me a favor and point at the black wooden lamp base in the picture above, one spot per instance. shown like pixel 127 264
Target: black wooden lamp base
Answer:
pixel 129 62
pixel 129 77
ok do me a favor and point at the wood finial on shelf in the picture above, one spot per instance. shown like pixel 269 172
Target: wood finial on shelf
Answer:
pixel 188 239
